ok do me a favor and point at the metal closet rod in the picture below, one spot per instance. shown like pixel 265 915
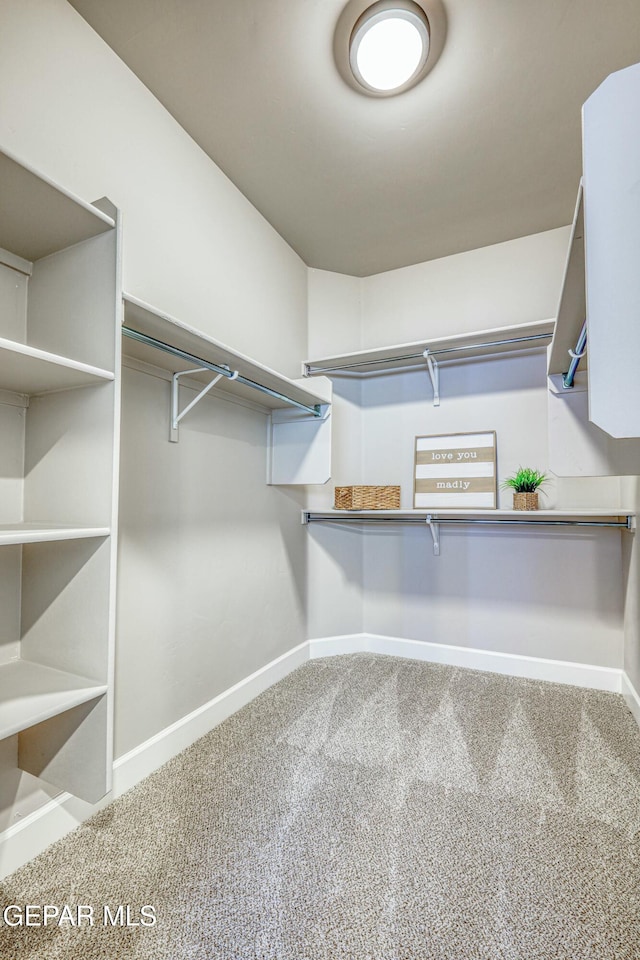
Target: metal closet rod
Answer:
pixel 622 525
pixel 576 356
pixel 434 353
pixel 216 368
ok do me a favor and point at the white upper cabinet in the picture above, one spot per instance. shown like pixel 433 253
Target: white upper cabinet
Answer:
pixel 611 159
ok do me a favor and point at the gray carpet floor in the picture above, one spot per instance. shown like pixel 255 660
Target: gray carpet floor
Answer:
pixel 368 808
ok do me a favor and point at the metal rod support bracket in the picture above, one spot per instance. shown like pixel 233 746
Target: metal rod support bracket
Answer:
pixel 434 527
pixel 176 414
pixel 434 376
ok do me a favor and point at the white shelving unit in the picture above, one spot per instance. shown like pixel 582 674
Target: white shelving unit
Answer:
pixel 60 306
pixel 299 423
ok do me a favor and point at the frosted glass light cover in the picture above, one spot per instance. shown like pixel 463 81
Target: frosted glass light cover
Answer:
pixel 388 49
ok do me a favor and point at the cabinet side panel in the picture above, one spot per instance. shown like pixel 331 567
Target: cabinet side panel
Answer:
pixel 72 302
pixel 12 425
pixel 9 603
pixel 69 457
pixel 13 304
pixel 612 225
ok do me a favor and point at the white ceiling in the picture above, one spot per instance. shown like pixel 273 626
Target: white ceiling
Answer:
pixel 485 149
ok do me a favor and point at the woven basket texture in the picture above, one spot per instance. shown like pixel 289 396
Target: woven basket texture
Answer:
pixel 525 501
pixel 367 498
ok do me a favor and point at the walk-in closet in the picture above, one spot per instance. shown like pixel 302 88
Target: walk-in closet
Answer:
pixel 319 480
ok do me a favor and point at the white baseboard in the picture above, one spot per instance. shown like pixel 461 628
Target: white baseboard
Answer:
pixel 26 839
pixel 631 696
pixel 514 665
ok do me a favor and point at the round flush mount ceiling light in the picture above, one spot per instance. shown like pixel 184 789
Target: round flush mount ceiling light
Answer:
pixel 389 46
pixel 385 48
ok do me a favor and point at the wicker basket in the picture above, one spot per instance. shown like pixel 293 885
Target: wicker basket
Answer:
pixel 525 501
pixel 367 498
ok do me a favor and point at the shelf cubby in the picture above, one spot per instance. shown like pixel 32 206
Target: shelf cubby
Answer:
pixel 31 693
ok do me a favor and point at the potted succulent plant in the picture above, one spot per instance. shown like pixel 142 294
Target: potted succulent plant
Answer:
pixel 525 483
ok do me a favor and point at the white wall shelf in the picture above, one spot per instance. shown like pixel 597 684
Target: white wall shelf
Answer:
pixel 28 370
pixel 468 346
pixel 37 217
pixel 151 322
pixel 15 533
pixel 31 693
pixel 299 445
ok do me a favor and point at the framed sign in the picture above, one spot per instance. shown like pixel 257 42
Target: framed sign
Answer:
pixel 455 470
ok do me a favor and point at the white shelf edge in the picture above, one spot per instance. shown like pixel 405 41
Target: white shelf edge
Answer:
pixel 18 533
pixel 458 341
pixel 250 368
pixel 31 693
pixel 15 346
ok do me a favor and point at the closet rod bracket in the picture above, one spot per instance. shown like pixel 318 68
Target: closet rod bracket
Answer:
pixel 434 527
pixel 434 375
pixel 176 413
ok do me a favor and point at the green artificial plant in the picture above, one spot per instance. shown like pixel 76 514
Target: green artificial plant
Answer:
pixel 525 480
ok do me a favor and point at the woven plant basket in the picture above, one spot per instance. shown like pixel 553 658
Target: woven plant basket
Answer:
pixel 367 498
pixel 525 501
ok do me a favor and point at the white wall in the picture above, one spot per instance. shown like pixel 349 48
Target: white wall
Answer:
pixel 194 245
pixel 496 589
pixel 212 574
pixel 334 313
pixel 492 588
pixel 335 555
pixel 212 561
pixel 514 282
